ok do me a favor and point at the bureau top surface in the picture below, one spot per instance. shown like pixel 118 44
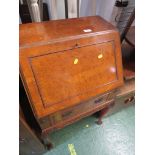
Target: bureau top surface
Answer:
pixel 50 30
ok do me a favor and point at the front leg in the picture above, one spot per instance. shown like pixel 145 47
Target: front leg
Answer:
pixel 103 112
pixel 46 141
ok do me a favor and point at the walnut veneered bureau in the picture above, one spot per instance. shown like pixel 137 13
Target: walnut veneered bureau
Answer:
pixel 69 68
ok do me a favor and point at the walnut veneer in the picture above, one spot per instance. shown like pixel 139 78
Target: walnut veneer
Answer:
pixel 69 68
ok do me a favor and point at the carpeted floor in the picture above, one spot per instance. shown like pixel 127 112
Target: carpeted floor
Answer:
pixel 116 136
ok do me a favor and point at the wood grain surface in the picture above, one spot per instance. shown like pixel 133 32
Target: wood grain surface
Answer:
pixel 66 62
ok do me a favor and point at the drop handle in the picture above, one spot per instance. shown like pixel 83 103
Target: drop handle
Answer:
pixel 128 100
pixel 99 100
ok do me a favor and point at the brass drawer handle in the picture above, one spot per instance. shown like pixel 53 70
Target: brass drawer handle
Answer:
pixel 99 100
pixel 128 100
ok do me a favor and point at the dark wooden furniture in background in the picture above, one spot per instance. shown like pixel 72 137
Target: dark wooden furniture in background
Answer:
pixel 128 48
pixel 130 37
pixel 128 25
pixel 70 69
pixel 28 142
pixel 25 14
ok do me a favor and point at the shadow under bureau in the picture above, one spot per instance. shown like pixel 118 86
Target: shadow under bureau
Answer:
pixel 69 69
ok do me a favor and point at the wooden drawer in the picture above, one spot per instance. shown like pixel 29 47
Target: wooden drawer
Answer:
pixel 128 99
pixel 64 117
pixel 122 102
pixel 80 109
pixel 45 122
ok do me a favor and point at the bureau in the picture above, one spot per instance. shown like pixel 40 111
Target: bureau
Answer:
pixel 69 68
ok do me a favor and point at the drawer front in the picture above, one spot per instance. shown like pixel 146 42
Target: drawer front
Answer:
pixel 45 122
pixel 80 109
pixel 129 99
pixel 122 102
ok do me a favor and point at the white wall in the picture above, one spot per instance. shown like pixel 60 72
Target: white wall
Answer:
pixel 60 7
pixel 104 8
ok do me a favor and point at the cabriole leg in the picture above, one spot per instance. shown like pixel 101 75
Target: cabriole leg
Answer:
pixel 46 141
pixel 103 112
